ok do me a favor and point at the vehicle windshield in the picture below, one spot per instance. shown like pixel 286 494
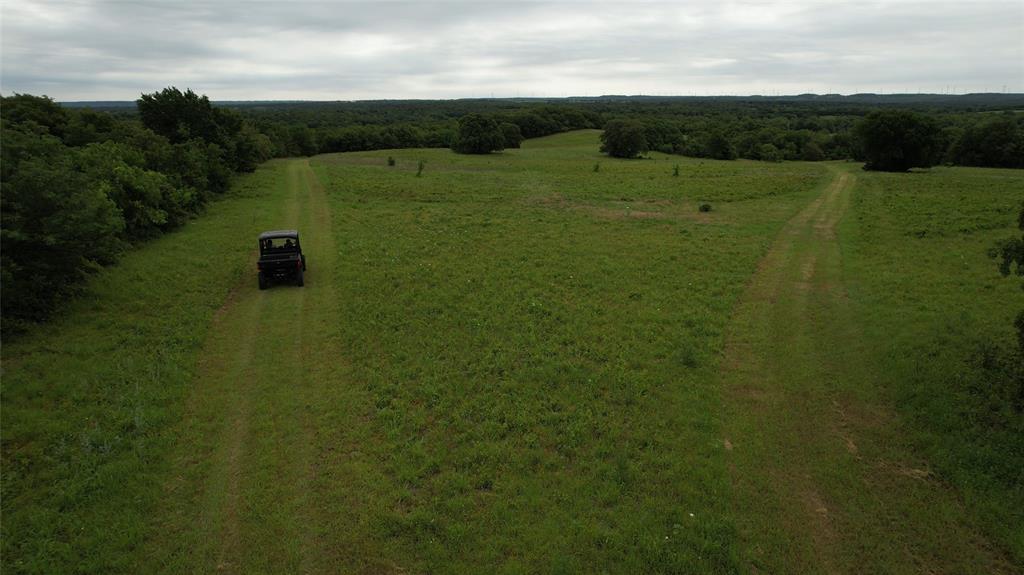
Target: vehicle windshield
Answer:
pixel 278 244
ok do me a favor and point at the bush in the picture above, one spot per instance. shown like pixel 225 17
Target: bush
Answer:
pixel 705 207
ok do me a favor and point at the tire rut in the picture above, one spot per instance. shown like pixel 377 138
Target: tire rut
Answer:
pixel 805 430
pixel 242 501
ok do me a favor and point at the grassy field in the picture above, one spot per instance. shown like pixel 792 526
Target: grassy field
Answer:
pixel 830 474
pixel 938 323
pixel 89 400
pixel 543 360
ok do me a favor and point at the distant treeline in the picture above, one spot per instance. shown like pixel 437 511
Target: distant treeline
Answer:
pixel 306 129
pixel 975 130
pixel 80 183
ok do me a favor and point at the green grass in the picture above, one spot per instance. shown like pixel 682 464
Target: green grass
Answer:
pixel 536 341
pixel 89 398
pixel 933 307
pixel 509 364
pixel 517 351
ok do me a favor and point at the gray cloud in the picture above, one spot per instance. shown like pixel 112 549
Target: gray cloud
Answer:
pixel 76 50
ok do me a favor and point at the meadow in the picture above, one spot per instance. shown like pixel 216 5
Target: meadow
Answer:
pixel 523 362
pixel 938 324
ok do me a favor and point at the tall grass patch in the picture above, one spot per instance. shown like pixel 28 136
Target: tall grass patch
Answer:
pixel 938 319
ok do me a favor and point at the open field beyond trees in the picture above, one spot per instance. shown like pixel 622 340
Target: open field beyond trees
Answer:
pixel 539 361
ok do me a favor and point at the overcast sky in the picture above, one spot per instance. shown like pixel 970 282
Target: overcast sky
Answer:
pixel 234 50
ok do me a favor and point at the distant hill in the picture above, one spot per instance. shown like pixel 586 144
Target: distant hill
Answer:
pixel 980 100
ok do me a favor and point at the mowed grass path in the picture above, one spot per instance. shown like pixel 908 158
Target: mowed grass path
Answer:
pixel 515 363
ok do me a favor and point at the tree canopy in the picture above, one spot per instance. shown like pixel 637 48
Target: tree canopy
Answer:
pixel 512 135
pixel 624 139
pixel 478 134
pixel 897 140
pixel 79 185
pixel 998 142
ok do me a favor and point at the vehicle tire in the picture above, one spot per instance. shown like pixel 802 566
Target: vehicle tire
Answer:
pixel 299 281
pixel 262 280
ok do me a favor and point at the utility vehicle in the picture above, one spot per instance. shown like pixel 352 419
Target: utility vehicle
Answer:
pixel 281 258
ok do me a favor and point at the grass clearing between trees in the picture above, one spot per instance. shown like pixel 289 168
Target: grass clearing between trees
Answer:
pixel 512 363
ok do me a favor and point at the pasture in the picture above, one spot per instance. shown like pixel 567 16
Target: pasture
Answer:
pixel 543 360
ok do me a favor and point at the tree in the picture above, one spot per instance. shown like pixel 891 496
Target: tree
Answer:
pixel 478 134
pixel 897 140
pixel 719 147
pixel 88 126
pixel 142 196
pixel 57 227
pixel 251 148
pixel 533 125
pixel 179 116
pixel 996 143
pixel 769 153
pixel 624 139
pixel 812 152
pixel 34 110
pixel 511 134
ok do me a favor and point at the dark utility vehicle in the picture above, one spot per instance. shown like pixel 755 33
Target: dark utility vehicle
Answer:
pixel 280 258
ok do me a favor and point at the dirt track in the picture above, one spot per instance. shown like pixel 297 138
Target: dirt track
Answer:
pixel 246 498
pixel 824 481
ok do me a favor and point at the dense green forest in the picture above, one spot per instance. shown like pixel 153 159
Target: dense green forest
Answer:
pixel 83 181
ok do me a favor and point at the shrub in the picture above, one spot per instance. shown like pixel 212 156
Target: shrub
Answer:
pixel 705 207
pixel 391 161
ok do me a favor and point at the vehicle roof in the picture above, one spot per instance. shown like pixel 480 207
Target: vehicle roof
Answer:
pixel 279 234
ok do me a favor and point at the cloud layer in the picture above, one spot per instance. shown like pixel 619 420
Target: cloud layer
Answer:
pixel 239 50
